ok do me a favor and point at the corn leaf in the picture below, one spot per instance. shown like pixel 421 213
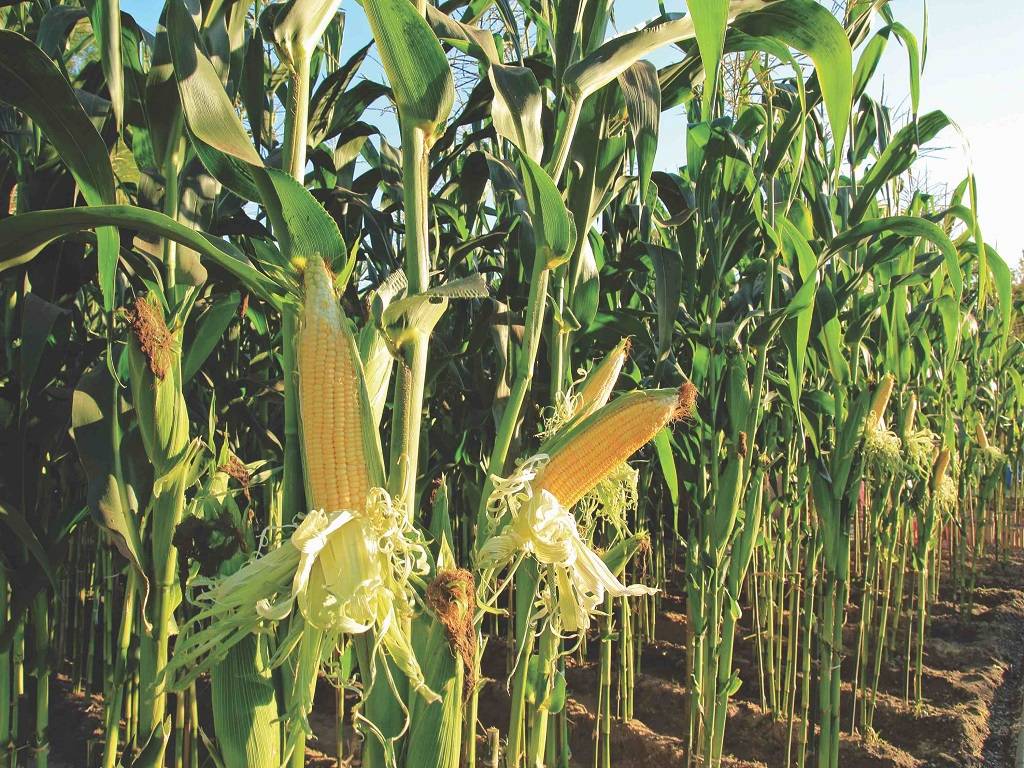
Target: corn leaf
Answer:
pixel 516 109
pixel 31 82
pixel 642 93
pixel 710 19
pixel 811 29
pixel 416 66
pixel 106 28
pixel 23 236
pixel 898 155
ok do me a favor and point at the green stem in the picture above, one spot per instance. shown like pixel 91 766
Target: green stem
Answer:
pixel 526 361
pixel 41 663
pixel 296 119
pixel 114 704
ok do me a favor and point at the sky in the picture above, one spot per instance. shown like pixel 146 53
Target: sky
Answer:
pixel 974 72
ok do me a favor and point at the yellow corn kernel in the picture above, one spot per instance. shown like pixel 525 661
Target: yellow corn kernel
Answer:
pixel 587 453
pixel 337 467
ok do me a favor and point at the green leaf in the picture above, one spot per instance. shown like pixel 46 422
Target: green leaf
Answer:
pixel 300 25
pixel 37 320
pixel 667 462
pixel 797 330
pixel 23 236
pixel 303 227
pixel 914 60
pixel 710 19
pixel 469 39
pixel 106 28
pixel 906 226
pixel 516 108
pixel 896 158
pixel 416 66
pixel 31 82
pixel 642 93
pixel 211 328
pixel 868 61
pixel 810 28
pixel 15 520
pixel 209 112
pixel 94 425
pixel 552 225
pixel 251 88
pixel 668 288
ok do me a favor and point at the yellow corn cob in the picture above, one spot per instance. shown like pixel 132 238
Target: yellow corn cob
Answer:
pixel 939 471
pixel 337 464
pixel 588 452
pixel 911 415
pixel 881 400
pixel 600 381
pixel 979 433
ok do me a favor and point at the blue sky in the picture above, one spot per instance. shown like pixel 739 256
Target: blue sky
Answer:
pixel 974 72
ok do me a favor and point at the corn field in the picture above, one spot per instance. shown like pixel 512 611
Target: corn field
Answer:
pixel 375 389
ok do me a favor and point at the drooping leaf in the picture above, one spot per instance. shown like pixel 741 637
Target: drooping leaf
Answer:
pixel 710 18
pixel 31 82
pixel 642 93
pixel 23 236
pixel 516 108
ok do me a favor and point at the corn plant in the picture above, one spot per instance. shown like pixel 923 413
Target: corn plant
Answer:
pixel 296 407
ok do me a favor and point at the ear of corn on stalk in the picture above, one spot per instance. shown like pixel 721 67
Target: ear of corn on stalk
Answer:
pixel 347 566
pixel 594 392
pixel 445 639
pixel 882 447
pixel 597 387
pixel 342 462
pixel 584 454
pixel 154 359
pixel 533 505
pixel 880 401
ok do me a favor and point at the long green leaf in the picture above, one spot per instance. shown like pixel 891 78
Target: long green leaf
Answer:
pixel 516 108
pixel 22 237
pixel 896 158
pixel 710 19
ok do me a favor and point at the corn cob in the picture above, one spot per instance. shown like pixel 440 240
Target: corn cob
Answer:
pixel 584 455
pixel 939 471
pixel 154 358
pixel 338 465
pixel 880 401
pixel 979 433
pixel 597 387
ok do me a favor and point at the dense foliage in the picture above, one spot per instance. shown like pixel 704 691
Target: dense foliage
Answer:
pixel 820 355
